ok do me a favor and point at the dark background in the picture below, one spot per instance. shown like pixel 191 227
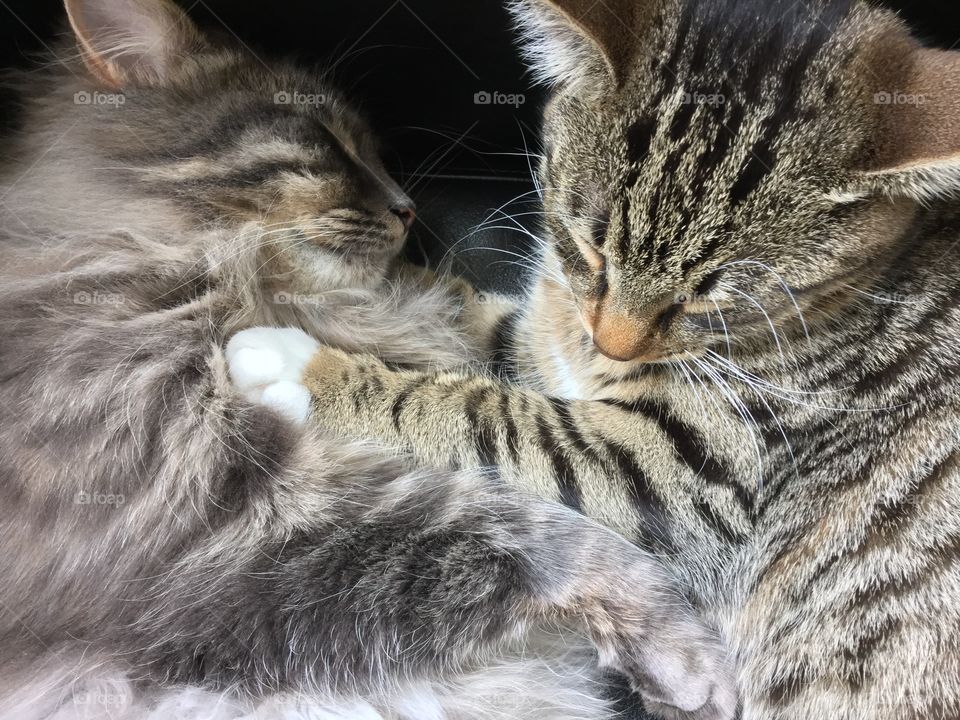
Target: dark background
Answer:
pixel 415 66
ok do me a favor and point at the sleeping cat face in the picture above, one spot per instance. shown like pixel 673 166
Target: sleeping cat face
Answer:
pixel 716 167
pixel 236 143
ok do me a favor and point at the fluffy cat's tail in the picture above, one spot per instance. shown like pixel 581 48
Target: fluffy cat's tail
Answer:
pixel 546 681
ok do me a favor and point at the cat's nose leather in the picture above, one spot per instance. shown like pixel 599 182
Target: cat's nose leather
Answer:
pixel 406 213
pixel 621 338
pixel 630 335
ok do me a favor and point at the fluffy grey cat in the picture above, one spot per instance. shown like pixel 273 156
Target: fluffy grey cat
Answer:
pixel 159 530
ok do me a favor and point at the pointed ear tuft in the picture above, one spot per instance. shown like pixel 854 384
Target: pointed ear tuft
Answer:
pixel 127 42
pixel 918 150
pixel 571 41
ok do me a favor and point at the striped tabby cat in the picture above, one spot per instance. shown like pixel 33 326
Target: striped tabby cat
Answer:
pixel 741 350
pixel 160 531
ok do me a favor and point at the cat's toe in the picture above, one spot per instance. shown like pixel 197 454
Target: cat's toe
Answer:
pixel 683 673
pixel 251 370
pixel 266 365
pixel 290 399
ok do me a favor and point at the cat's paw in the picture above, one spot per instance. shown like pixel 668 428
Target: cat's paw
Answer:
pixel 266 365
pixel 680 668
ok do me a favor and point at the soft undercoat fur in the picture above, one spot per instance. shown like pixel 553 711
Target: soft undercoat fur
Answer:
pixel 162 532
pixel 741 350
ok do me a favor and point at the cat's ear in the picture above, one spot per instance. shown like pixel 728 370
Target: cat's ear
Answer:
pixel 571 41
pixel 128 42
pixel 917 153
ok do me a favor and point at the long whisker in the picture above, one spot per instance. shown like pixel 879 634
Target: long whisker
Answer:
pixel 726 331
pixel 533 174
pixel 783 284
pixel 885 299
pixel 528 262
pixel 776 419
pixel 736 403
pixel 787 393
pixel 773 329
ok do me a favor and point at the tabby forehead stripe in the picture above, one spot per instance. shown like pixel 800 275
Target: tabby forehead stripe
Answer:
pixel 640 135
pixel 668 173
pixel 639 138
pixel 670 67
pixel 762 158
pixel 680 124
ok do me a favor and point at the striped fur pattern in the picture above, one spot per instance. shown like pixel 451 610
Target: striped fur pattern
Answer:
pixel 164 193
pixel 741 349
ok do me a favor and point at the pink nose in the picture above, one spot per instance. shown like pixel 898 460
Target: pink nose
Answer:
pixel 406 213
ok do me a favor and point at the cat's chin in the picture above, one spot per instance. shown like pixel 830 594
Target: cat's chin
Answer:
pixel 651 357
pixel 320 270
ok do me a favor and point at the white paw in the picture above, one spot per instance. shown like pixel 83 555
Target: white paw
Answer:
pixel 266 366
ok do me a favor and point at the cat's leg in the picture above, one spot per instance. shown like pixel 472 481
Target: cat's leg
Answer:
pixel 369 371
pixel 623 463
pixel 396 576
pixel 424 575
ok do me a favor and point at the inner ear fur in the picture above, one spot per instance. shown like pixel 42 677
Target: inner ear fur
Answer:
pixel 609 25
pixel 127 42
pixel 582 41
pixel 917 104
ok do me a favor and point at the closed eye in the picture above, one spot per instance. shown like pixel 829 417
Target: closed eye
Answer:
pixel 666 318
pixel 708 284
pixel 603 285
pixel 590 253
pixel 590 241
pixel 599 230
